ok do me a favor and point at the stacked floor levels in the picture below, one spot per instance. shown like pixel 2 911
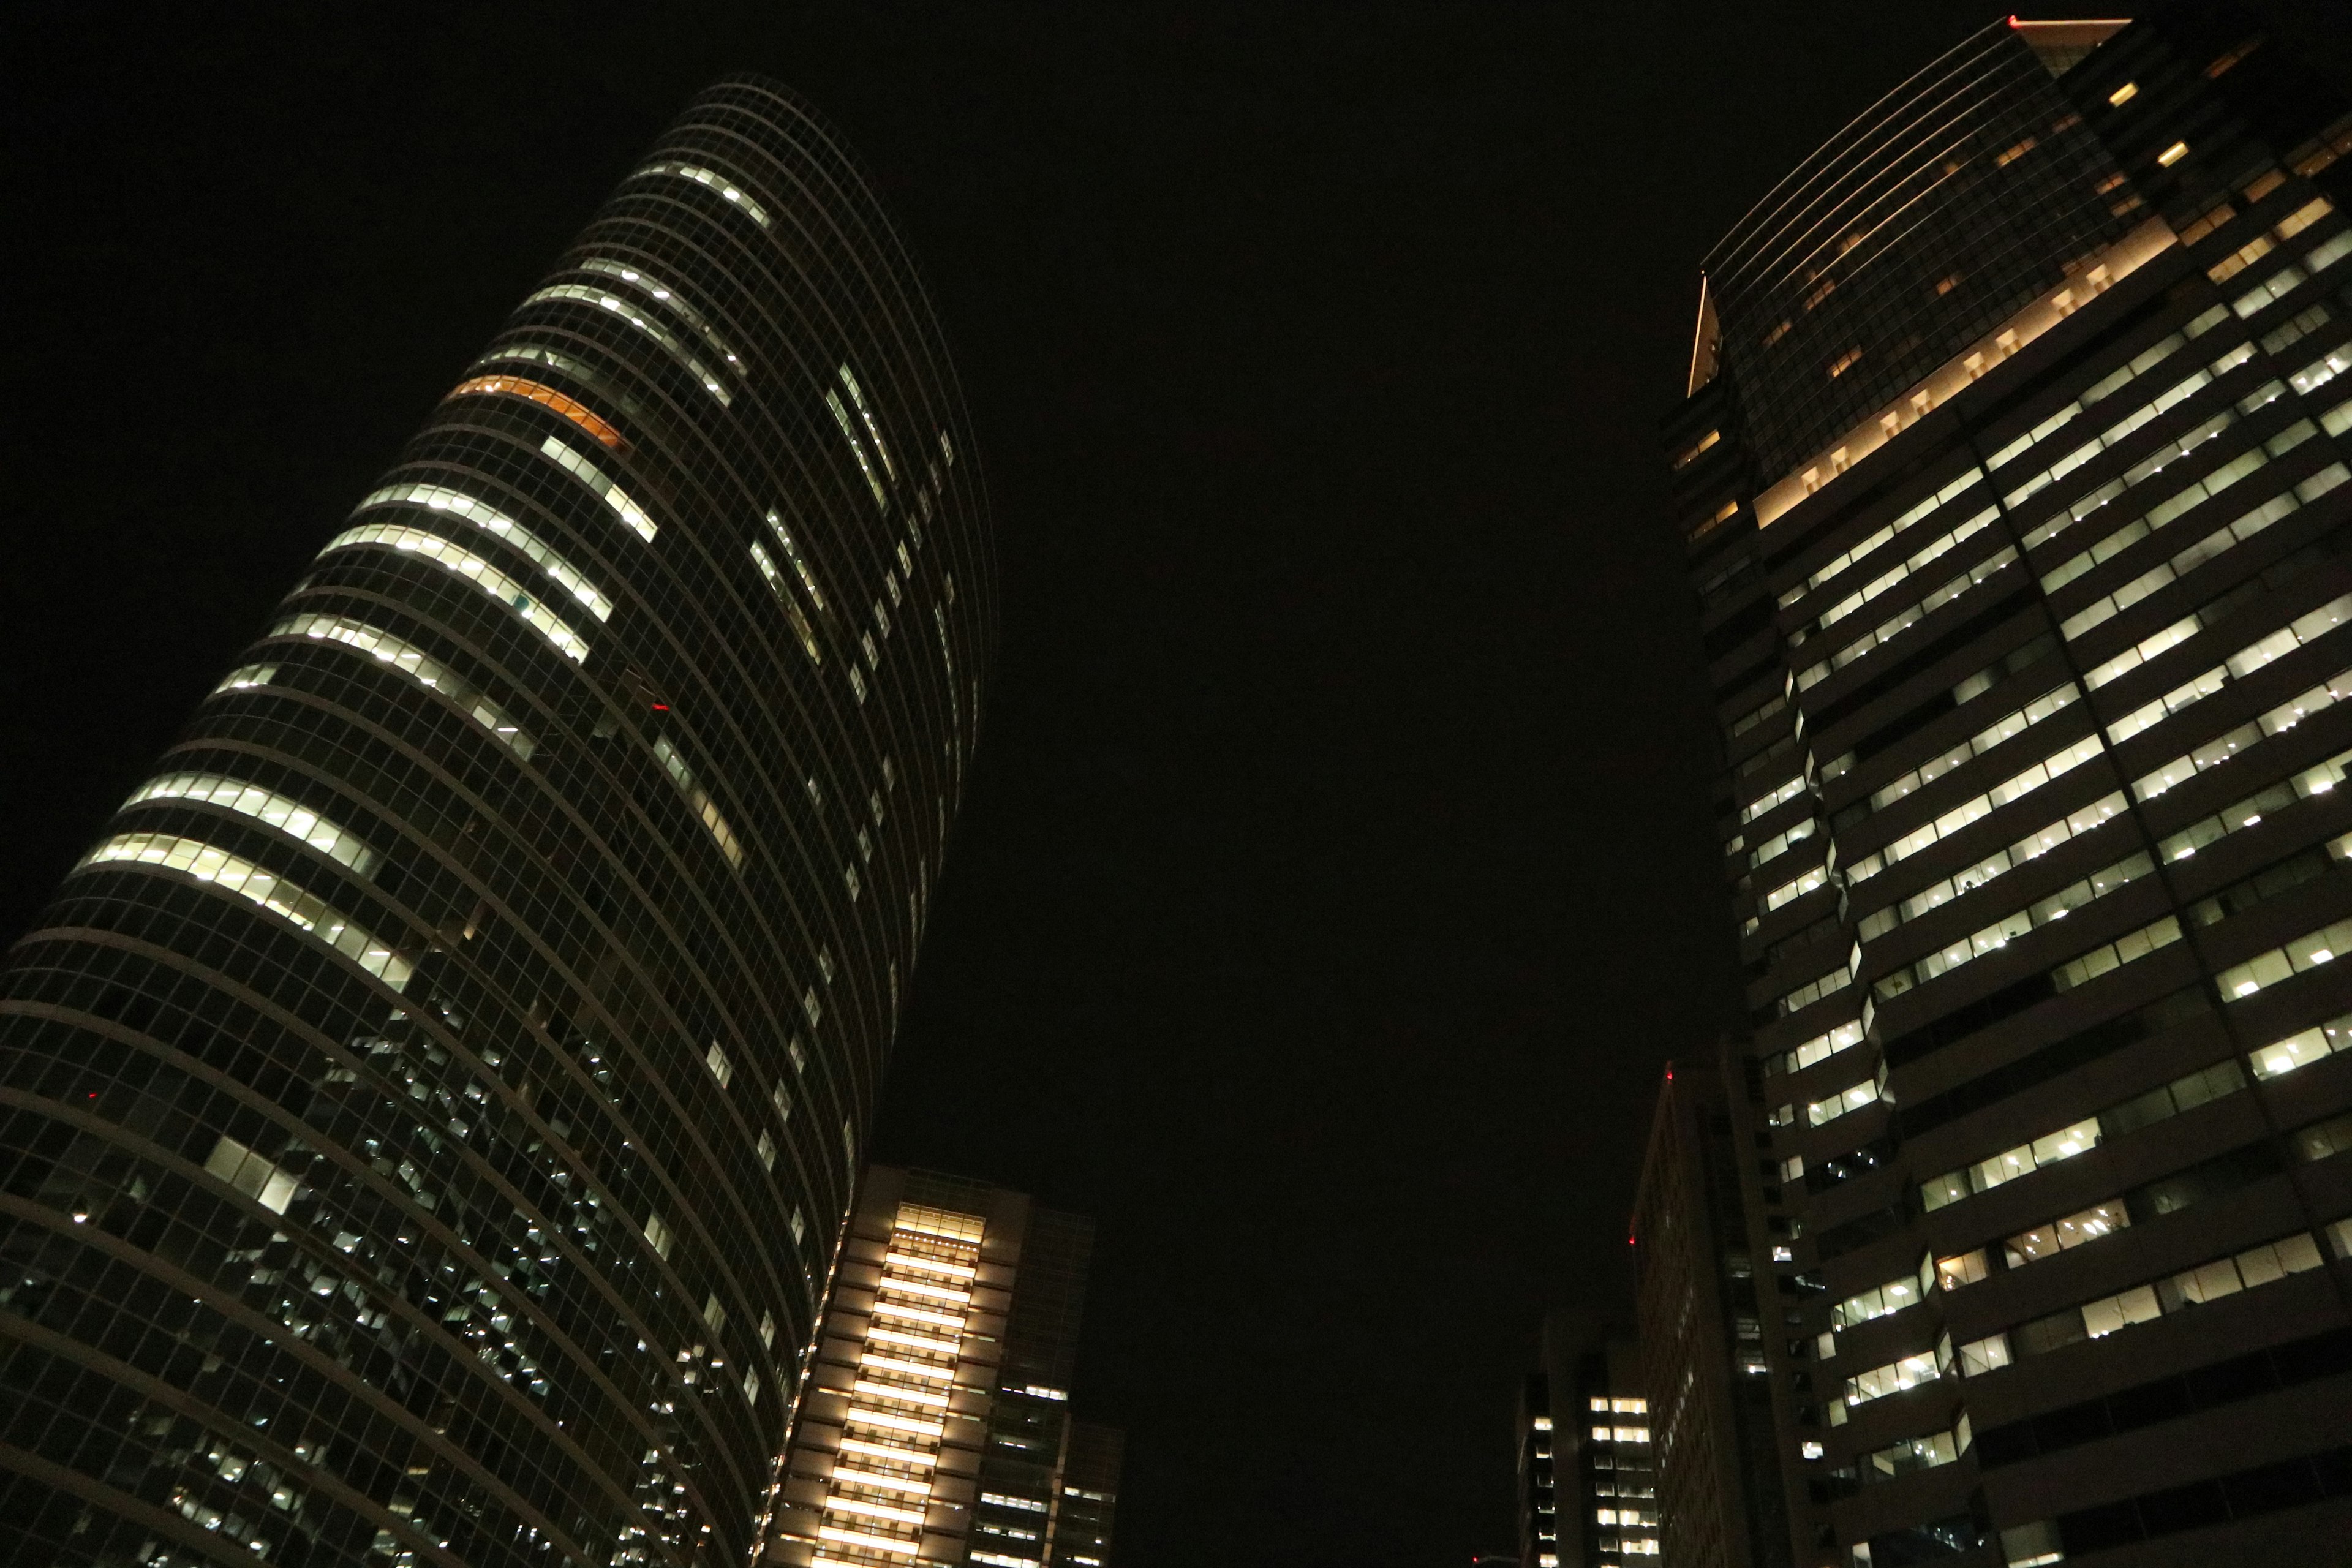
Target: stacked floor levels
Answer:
pixel 2016 475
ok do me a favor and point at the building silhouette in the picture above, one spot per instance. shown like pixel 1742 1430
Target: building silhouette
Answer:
pixel 936 1426
pixel 2012 479
pixel 431 1106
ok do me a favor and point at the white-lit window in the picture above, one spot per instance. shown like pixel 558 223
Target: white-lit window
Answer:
pixel 246 676
pixel 801 631
pixel 253 1175
pixel 670 342
pixel 596 480
pixel 712 178
pixel 857 449
pixel 657 1233
pixel 304 910
pixel 721 1066
pixel 792 553
pixel 290 817
pixel 766 1150
pixel 489 518
pixel 1893 1378
pixel 671 300
pixel 1968 1268
pixel 700 799
pixel 453 557
pixel 413 663
pixel 2304 953
pixel 866 416
pixel 2307 1046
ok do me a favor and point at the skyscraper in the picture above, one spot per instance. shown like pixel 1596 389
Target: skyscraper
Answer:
pixel 937 1423
pixel 431 1108
pixel 2013 475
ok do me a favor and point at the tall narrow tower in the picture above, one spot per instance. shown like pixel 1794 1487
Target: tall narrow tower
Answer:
pixel 937 1425
pixel 427 1115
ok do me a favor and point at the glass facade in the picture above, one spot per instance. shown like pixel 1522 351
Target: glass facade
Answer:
pixel 430 1111
pixel 2031 731
pixel 1967 191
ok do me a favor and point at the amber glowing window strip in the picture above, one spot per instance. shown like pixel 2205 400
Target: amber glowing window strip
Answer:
pixel 571 409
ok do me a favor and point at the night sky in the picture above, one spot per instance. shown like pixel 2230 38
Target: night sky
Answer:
pixel 1336 871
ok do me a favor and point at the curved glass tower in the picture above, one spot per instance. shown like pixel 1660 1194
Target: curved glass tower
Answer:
pixel 428 1115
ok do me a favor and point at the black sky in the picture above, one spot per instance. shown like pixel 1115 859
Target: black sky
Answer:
pixel 1336 871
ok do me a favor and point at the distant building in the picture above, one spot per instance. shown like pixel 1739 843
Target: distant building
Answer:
pixel 1709 1427
pixel 1538 1499
pixel 1604 1492
pixel 936 1426
pixel 2013 476
pixel 1089 1496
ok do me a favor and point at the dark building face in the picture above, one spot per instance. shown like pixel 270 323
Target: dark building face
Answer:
pixel 2014 479
pixel 937 1425
pixel 432 1106
pixel 1537 1482
pixel 1708 1430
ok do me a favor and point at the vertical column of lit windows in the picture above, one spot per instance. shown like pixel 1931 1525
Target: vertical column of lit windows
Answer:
pixel 1626 1524
pixel 881 1484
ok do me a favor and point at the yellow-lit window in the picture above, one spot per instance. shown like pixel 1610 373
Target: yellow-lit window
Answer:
pixel 2173 154
pixel 2124 94
pixel 570 408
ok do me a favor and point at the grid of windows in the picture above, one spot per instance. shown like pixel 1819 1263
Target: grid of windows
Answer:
pixel 392 1087
pixel 2058 791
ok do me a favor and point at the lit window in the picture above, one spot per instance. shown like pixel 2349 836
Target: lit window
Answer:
pixel 700 799
pixel 669 340
pixel 570 408
pixel 455 558
pixel 669 298
pixel 721 1066
pixel 290 817
pixel 413 663
pixel 858 449
pixel 792 553
pixel 251 1174
pixel 595 478
pixel 801 630
pixel 715 181
pixel 490 520
pixel 2173 154
pixel 1812 1450
pixel 246 676
pixel 865 414
pixel 2124 94
pixel 304 910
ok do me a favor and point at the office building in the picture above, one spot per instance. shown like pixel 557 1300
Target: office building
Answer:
pixel 1712 1441
pixel 2013 481
pixel 432 1105
pixel 936 1426
pixel 1588 1492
